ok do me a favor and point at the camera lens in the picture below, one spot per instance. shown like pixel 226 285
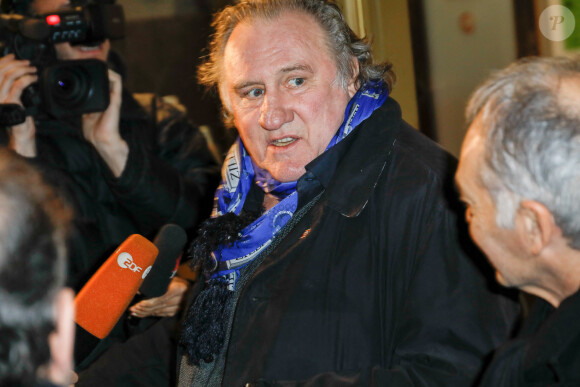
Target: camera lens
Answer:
pixel 73 87
pixel 70 87
pixel 65 85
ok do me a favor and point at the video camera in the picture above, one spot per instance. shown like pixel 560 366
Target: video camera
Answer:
pixel 64 88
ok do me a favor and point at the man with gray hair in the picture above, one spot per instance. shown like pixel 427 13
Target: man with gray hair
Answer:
pixel 36 310
pixel 519 175
pixel 334 255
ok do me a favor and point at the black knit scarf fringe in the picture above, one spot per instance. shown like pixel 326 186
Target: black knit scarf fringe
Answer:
pixel 204 327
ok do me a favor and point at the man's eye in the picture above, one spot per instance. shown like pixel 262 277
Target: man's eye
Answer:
pixel 255 93
pixel 295 82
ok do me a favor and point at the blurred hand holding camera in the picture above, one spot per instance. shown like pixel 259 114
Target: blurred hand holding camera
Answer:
pixel 15 76
pixel 44 74
pixel 102 129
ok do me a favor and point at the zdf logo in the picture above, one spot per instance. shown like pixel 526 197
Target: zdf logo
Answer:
pixel 125 260
pixel 557 23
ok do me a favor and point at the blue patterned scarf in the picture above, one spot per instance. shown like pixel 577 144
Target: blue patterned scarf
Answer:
pixel 238 174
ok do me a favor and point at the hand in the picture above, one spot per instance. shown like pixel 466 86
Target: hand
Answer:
pixel 102 129
pixel 165 306
pixel 22 138
pixel 74 378
pixel 15 76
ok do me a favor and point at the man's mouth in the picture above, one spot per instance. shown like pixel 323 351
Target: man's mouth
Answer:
pixel 284 141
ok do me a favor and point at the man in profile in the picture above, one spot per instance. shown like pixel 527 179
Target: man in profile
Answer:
pixel 36 311
pixel 519 175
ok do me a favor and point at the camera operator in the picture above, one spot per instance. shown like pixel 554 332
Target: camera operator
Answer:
pixel 124 171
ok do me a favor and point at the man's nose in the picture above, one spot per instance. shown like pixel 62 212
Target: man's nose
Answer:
pixel 274 112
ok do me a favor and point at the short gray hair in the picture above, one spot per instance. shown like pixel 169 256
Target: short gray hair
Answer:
pixel 34 224
pixel 342 41
pixel 532 148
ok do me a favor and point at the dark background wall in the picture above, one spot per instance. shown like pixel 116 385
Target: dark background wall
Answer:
pixel 164 42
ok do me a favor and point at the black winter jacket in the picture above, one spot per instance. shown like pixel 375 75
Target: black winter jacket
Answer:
pixel 546 351
pixel 372 284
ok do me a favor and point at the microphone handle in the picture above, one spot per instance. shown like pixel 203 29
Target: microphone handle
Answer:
pixel 85 343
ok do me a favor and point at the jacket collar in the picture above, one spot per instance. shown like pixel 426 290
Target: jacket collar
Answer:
pixel 350 170
pixel 556 334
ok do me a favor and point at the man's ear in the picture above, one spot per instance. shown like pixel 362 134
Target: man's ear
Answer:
pixel 353 85
pixel 61 341
pixel 535 225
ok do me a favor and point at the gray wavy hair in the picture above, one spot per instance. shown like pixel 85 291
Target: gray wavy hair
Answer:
pixel 532 140
pixel 342 41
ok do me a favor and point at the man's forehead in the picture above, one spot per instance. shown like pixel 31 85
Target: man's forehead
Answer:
pixel 286 43
pixel 289 29
pixel 471 151
pixel 473 140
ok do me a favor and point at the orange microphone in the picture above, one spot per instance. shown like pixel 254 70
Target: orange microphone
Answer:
pixel 105 297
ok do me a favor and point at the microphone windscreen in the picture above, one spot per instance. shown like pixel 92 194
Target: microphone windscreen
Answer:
pixel 170 241
pixel 104 298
